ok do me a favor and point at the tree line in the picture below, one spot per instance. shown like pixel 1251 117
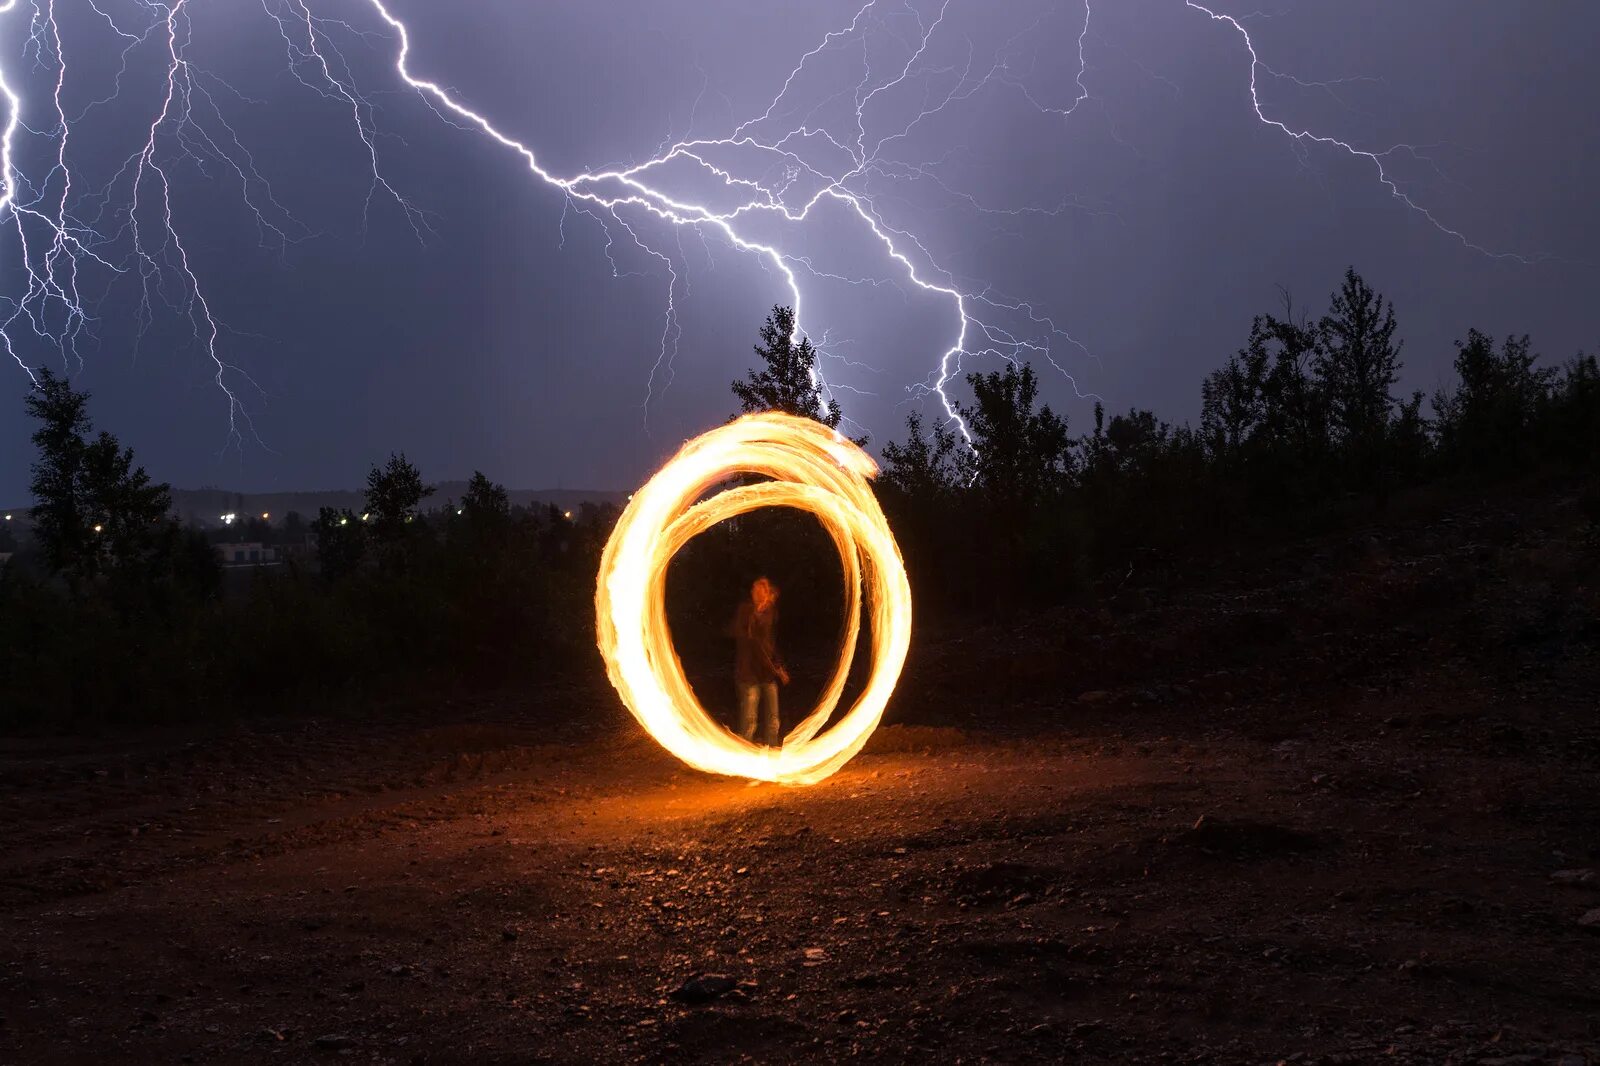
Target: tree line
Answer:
pixel 117 612
pixel 1300 428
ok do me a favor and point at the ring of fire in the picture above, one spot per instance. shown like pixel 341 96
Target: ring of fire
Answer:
pixel 811 468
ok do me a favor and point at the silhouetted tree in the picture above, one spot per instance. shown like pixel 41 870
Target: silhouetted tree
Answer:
pixel 1264 414
pixel 1357 363
pixel 1141 486
pixel 923 493
pixel 924 468
pixel 1019 454
pixel 1486 421
pixel 484 502
pixel 1265 402
pixel 1133 442
pixel 341 542
pixel 1572 427
pixel 481 524
pixel 394 495
pixel 1296 415
pixel 498 585
pixel 1020 461
pixel 1410 438
pixel 788 381
pixel 95 512
pixel 787 546
pixel 1232 404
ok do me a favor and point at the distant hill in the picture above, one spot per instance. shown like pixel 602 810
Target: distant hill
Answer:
pixel 205 507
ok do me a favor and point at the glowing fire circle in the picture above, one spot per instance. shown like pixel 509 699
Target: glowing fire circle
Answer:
pixel 812 469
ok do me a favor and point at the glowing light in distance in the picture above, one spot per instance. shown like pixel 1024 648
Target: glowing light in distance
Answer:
pixel 813 469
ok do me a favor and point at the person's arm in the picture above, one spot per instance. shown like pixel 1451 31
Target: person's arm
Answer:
pixel 769 650
pixel 769 659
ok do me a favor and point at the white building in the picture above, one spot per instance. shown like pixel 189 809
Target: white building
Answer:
pixel 247 554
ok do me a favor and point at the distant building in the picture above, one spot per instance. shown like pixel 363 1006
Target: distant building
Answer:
pixel 251 554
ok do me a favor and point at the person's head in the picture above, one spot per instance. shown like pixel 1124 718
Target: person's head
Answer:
pixel 763 593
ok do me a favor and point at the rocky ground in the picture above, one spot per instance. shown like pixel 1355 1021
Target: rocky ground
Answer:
pixel 1334 803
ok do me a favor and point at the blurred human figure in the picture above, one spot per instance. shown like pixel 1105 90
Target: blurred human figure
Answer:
pixel 757 669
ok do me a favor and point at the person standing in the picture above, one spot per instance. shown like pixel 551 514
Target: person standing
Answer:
pixel 757 669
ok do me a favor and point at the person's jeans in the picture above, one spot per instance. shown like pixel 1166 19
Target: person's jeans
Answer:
pixel 766 694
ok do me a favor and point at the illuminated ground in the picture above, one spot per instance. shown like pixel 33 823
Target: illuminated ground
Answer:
pixel 1021 877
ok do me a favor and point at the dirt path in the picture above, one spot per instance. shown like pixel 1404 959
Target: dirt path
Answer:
pixel 1337 804
pixel 1353 893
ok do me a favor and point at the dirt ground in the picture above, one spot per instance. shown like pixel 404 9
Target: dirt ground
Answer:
pixel 1338 804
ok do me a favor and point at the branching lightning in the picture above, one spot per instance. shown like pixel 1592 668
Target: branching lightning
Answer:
pixel 1376 158
pixel 776 171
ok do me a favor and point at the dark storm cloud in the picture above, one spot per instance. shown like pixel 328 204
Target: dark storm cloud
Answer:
pixel 508 340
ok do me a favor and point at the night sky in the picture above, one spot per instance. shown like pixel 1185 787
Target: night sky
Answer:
pixel 1150 224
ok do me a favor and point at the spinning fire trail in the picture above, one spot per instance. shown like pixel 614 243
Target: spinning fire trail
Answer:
pixel 65 241
pixel 812 469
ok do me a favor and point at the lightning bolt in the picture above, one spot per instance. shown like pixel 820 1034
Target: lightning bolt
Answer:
pixel 1376 158
pixel 776 171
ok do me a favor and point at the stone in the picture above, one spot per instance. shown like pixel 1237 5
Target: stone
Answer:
pixel 703 988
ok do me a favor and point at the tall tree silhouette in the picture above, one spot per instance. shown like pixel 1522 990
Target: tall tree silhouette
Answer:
pixel 1486 422
pixel 341 539
pixel 96 512
pixel 787 380
pixel 1020 459
pixel 1572 430
pixel 485 501
pixel 394 494
pixel 924 468
pixel 1358 359
pixel 1020 453
pixel 1358 363
pixel 1264 415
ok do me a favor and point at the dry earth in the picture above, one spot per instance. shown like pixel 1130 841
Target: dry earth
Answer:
pixel 1339 806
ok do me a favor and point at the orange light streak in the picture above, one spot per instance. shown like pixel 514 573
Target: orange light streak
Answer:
pixel 813 469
